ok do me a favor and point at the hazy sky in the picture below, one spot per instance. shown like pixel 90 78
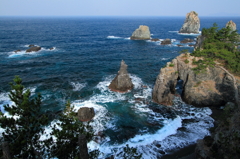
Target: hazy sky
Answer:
pixel 118 7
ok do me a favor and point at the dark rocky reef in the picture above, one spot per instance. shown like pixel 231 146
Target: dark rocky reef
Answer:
pixel 166 42
pixel 214 87
pixel 191 23
pixel 142 33
pixel 86 114
pixel 33 49
pixel 122 82
pixel 187 40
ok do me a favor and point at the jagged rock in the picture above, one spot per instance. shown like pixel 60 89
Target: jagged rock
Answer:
pixel 187 40
pixel 231 25
pixel 142 33
pixel 214 87
pixel 17 51
pixel 51 48
pixel 85 114
pixel 34 48
pixel 191 23
pixel 122 82
pixel 166 42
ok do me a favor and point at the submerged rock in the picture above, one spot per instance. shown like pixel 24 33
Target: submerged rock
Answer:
pixel 122 82
pixel 142 33
pixel 166 42
pixel 213 87
pixel 34 48
pixel 86 114
pixel 231 25
pixel 16 51
pixel 154 40
pixel 191 23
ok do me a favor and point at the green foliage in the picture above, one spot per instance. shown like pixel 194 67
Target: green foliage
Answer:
pixel 171 65
pixel 221 45
pixel 184 51
pixel 24 127
pixel 186 61
pixel 131 153
pixel 67 131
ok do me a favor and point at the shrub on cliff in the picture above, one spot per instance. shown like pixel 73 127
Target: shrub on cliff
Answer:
pixel 221 45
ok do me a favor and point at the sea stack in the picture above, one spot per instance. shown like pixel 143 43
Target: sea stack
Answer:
pixel 86 114
pixel 231 25
pixel 122 82
pixel 142 33
pixel 191 24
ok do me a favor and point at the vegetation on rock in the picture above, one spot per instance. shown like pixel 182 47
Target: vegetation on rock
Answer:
pixel 219 45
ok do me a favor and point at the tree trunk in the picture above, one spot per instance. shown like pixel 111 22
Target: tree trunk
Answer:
pixel 6 151
pixel 82 141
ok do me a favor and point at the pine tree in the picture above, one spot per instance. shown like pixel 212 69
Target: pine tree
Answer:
pixel 64 142
pixel 23 128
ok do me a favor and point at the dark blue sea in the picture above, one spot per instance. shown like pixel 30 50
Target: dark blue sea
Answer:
pixel 86 56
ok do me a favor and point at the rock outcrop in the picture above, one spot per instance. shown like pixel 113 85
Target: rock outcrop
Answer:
pixel 142 33
pixel 213 87
pixel 34 49
pixel 199 42
pixel 166 42
pixel 122 82
pixel 86 114
pixel 231 25
pixel 191 23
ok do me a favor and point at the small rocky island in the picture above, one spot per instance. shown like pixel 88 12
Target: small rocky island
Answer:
pixel 142 33
pixel 191 24
pixel 33 49
pixel 122 82
pixel 231 25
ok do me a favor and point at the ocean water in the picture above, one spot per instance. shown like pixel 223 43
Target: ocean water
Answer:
pixel 86 57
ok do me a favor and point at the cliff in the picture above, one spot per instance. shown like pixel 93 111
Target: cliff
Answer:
pixel 191 23
pixel 213 87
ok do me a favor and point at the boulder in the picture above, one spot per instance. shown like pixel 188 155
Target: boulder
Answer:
pixel 34 48
pixel 142 33
pixel 86 114
pixel 166 42
pixel 52 48
pixel 231 25
pixel 213 87
pixel 187 40
pixel 122 82
pixel 191 23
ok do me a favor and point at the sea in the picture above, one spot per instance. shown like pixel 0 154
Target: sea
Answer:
pixel 85 56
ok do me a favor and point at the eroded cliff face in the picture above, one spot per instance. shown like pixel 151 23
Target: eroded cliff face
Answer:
pixel 213 87
pixel 191 23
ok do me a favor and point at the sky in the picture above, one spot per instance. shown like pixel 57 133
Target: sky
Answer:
pixel 119 7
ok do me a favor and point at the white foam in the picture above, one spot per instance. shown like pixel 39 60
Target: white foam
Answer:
pixel 78 86
pixel 114 37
